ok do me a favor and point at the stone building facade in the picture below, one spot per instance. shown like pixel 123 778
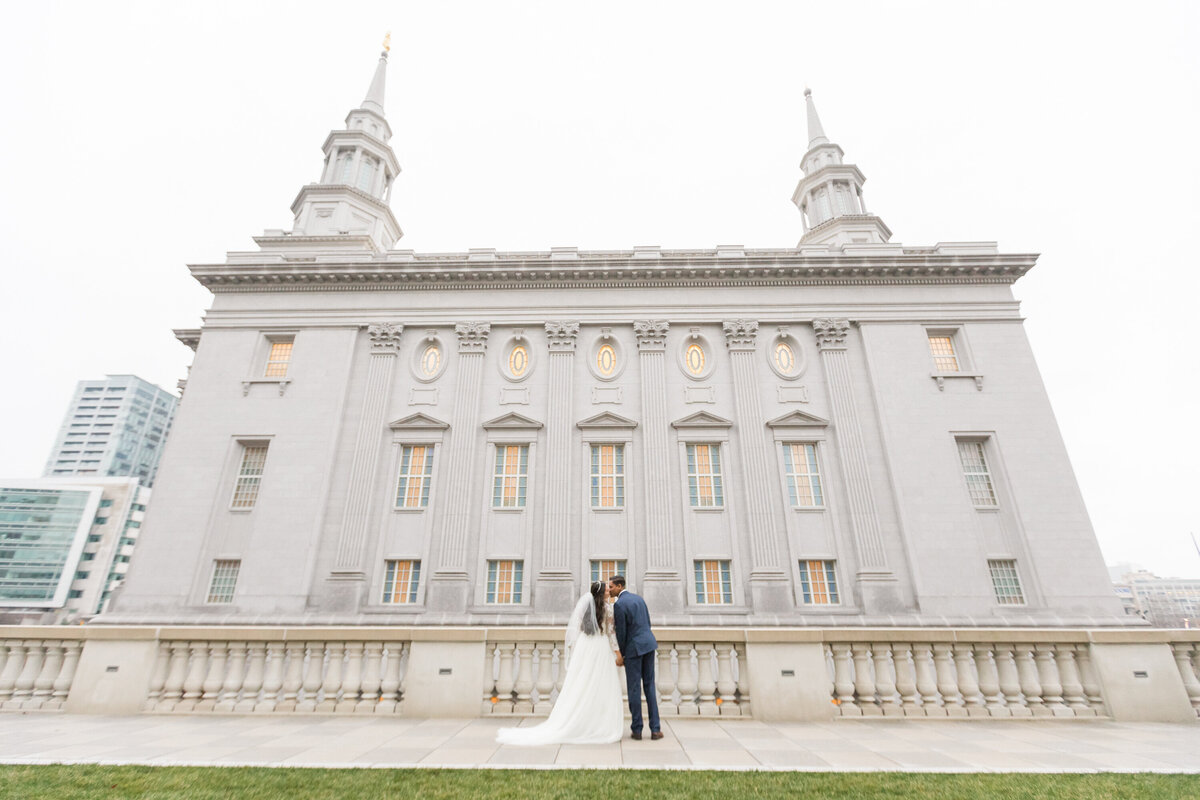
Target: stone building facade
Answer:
pixel 848 431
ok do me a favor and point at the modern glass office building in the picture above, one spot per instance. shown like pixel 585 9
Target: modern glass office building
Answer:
pixel 42 535
pixel 113 427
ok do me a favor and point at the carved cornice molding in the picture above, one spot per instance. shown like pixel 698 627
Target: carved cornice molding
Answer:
pixel 651 334
pixel 740 334
pixel 561 336
pixel 472 336
pixel 385 338
pixel 831 333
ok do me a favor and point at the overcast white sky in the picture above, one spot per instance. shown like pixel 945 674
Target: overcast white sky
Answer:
pixel 140 137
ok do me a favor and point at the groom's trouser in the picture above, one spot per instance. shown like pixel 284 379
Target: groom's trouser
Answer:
pixel 639 673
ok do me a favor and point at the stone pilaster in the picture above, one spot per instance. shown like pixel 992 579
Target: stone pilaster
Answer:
pixel 663 586
pixel 555 586
pixel 768 579
pixel 449 586
pixel 346 583
pixel 876 581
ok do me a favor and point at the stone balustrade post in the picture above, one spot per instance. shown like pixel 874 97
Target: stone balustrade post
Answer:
pixel 390 695
pixel 1089 678
pixel 705 683
pixel 273 681
pixel 506 682
pixel 351 679
pixel 947 680
pixel 1010 681
pixel 545 677
pixel 885 679
pixel 1051 681
pixel 968 685
pixel 490 696
pixel 1182 653
pixel 843 681
pixel 66 676
pixel 1031 685
pixel 43 685
pixel 235 674
pixel 664 682
pixel 193 684
pixel 35 654
pixel 214 678
pixel 906 679
pixel 1072 684
pixel 726 685
pixel 313 677
pixel 293 678
pixel 989 681
pixel 255 666
pixel 864 682
pixel 523 686
pixel 688 684
pixel 176 673
pixel 13 666
pixel 372 678
pixel 332 683
pixel 931 702
pixel 743 680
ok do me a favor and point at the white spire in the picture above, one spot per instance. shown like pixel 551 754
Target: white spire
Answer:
pixel 816 134
pixel 375 94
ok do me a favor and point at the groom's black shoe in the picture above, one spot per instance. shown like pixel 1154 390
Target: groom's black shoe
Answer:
pixel 656 735
pixel 637 736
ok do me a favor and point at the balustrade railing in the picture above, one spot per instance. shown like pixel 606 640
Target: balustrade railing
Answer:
pixel 1187 658
pixel 36 674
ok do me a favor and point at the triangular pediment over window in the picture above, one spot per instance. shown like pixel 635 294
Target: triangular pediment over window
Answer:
pixel 606 421
pixel 512 421
pixel 418 422
pixel 702 419
pixel 798 419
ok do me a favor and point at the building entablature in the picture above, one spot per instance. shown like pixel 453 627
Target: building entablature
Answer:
pixel 397 269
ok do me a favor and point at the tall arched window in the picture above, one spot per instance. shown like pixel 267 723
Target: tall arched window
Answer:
pixel 366 174
pixel 345 166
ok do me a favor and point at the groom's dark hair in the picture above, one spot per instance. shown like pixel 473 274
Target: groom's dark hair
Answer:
pixel 619 580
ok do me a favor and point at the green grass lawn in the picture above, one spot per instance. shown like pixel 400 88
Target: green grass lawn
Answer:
pixel 197 783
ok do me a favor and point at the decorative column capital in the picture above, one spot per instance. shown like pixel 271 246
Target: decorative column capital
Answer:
pixel 560 336
pixel 385 338
pixel 651 334
pixel 472 336
pixel 831 333
pixel 740 334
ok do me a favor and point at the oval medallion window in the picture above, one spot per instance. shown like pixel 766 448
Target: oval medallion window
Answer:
pixel 785 358
pixel 518 361
pixel 431 361
pixel 606 360
pixel 694 359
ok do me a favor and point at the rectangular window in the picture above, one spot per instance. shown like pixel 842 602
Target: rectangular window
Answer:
pixel 803 478
pixel 604 569
pixel 400 582
pixel 818 583
pixel 975 470
pixel 510 476
pixel 712 582
pixel 224 579
pixel 245 490
pixel 416 473
pixel 504 581
pixel 608 476
pixel 704 476
pixel 278 359
pixel 941 347
pixel 1005 582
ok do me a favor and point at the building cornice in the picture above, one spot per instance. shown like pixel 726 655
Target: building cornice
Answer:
pixel 404 270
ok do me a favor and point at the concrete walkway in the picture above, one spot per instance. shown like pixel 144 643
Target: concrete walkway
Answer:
pixel 842 745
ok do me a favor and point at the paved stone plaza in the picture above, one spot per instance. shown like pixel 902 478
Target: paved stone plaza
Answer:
pixel 843 745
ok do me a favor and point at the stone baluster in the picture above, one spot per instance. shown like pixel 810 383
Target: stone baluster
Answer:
pixel 726 686
pixel 545 677
pixel 3 654
pixel 235 672
pixel 66 676
pixel 688 684
pixel 885 680
pixel 372 677
pixel 665 682
pixel 273 682
pixel 1195 665
pixel 43 686
pixel 1072 684
pixel 12 669
pixel 968 684
pixel 35 655
pixel 352 679
pixel 1051 681
pixel 176 673
pixel 864 682
pixel 193 684
pixel 562 655
pixel 1031 685
pixel 906 680
pixel 390 695
pixel 705 683
pixel 293 677
pixel 989 681
pixel 947 680
pixel 505 683
pixel 214 677
pixel 333 676
pixel 1183 661
pixel 931 702
pixel 312 677
pixel 843 681
pixel 255 666
pixel 157 678
pixel 1010 681
pixel 490 698
pixel 1088 677
pixel 743 680
pixel 523 685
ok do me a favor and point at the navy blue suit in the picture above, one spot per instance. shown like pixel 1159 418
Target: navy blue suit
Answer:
pixel 631 621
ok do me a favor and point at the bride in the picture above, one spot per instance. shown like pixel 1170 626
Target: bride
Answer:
pixel 588 709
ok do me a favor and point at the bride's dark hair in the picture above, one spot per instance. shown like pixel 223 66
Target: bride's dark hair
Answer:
pixel 599 591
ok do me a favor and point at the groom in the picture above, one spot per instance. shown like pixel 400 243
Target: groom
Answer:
pixel 637 645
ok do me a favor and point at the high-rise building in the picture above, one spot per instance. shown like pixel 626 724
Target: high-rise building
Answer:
pixel 113 427
pixel 849 431
pixel 65 544
pixel 1163 602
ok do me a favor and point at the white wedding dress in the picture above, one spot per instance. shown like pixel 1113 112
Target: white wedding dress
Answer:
pixel 588 709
